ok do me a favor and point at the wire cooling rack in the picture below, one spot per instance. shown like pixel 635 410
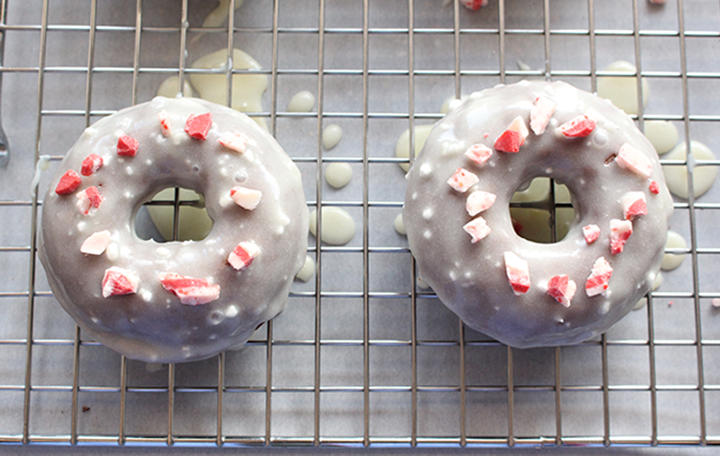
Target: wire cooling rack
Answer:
pixel 361 356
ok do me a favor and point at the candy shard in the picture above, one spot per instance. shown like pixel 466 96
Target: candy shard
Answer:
pixel 118 282
pixel 633 205
pixel 541 113
pixel 479 201
pixel 89 200
pixel 512 138
pixel 477 229
pixel 91 164
pixel 654 188
pixel 599 278
pixel 474 5
pixel 191 291
pixel 479 153
pixel 165 123
pixel 247 198
pixel 127 146
pixel 198 126
pixel 234 141
pixel 243 255
pixel 462 180
pixel 69 182
pixel 96 243
pixel 591 233
pixel 633 160
pixel 517 272
pixel 562 289
pixel 579 127
pixel 620 231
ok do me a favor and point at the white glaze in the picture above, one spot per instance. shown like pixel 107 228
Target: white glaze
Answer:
pixel 338 174
pixel 301 102
pixel 307 271
pixel 338 227
pixel 332 134
pixel 703 176
pixel 671 261
pixel 622 91
pixel 42 164
pixel 169 88
pixel 399 225
pixel 662 134
pixel 402 146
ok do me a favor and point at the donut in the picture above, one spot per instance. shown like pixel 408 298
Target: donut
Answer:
pixel 173 301
pixel 456 213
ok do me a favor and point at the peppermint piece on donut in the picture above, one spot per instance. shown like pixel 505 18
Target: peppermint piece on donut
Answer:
pixel 591 233
pixel 247 198
pixel 540 114
pixel 89 200
pixel 243 255
pixel 479 153
pixel 620 231
pixel 96 243
pixel 474 5
pixel 599 278
pixel 191 291
pixel 632 159
pixel 118 282
pixel 91 164
pixel 579 127
pixel 562 289
pixel 462 180
pixel 477 229
pixel 512 138
pixel 654 188
pixel 517 272
pixel 165 123
pixel 69 182
pixel 198 126
pixel 127 146
pixel 633 205
pixel 234 141
pixel 479 201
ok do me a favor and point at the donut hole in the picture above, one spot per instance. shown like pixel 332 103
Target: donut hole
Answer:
pixel 156 219
pixel 532 207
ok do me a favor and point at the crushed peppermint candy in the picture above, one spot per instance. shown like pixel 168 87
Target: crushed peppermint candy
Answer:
pixel 479 153
pixel 247 198
pixel 654 188
pixel 479 201
pixel 599 278
pixel 96 243
pixel 579 127
pixel 234 141
pixel 541 113
pixel 562 289
pixel 91 164
pixel 69 182
pixel 127 146
pixel 512 138
pixel 118 282
pixel 191 291
pixel 198 126
pixel 633 204
pixel 477 229
pixel 89 200
pixel 474 5
pixel 517 272
pixel 591 233
pixel 634 160
pixel 620 231
pixel 243 255
pixel 462 180
pixel 165 123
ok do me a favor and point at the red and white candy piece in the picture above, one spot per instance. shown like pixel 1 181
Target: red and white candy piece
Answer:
pixel 562 289
pixel 633 204
pixel 91 164
pixel 591 233
pixel 620 231
pixel 118 282
pixel 477 229
pixel 127 146
pixel 234 141
pixel 191 291
pixel 96 243
pixel 512 138
pixel 599 278
pixel 69 182
pixel 633 160
pixel 165 123
pixel 654 188
pixel 517 272
pixel 474 5
pixel 541 113
pixel 247 198
pixel 579 127
pixel 479 153
pixel 243 255
pixel 479 201
pixel 462 180
pixel 198 126
pixel 89 200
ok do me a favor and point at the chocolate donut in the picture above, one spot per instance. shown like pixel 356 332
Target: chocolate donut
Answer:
pixel 173 301
pixel 522 293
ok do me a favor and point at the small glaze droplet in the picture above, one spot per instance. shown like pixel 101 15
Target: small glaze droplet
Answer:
pixel 338 175
pixel 703 176
pixel 338 227
pixel 662 134
pixel 400 225
pixel 307 271
pixel 402 147
pixel 302 102
pixel 332 134
pixel 622 91
pixel 671 261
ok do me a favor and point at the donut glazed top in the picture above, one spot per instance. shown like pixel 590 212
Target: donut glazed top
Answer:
pixel 459 228
pixel 174 301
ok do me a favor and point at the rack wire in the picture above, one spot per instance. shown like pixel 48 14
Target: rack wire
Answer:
pixel 361 356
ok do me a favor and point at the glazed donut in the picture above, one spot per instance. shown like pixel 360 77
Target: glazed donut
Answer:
pixel 173 301
pixel 522 293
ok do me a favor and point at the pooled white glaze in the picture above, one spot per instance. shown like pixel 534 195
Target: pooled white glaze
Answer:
pixel 169 88
pixel 338 174
pixel 42 164
pixel 332 134
pixel 338 227
pixel 301 102
pixel 402 147
pixel 671 261
pixel 662 134
pixel 399 225
pixel 622 90
pixel 703 176
pixel 307 271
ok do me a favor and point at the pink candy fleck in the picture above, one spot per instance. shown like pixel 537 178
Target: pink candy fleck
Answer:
pixel 517 272
pixel 479 153
pixel 591 233
pixel 599 278
pixel 462 180
pixel 246 198
pixel 118 282
pixel 243 255
pixel 89 200
pixel 654 188
pixel 562 289
pixel 165 123
pixel 512 138
pixel 620 231
pixel 579 127
pixel 191 291
pixel 96 243
pixel 474 5
pixel 477 229
pixel 198 126
pixel 633 205
pixel 479 201
pixel 69 182
pixel 127 146
pixel 234 141
pixel 91 164
pixel 634 160
pixel 540 114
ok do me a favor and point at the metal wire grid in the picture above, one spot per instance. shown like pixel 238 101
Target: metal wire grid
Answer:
pixel 469 394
